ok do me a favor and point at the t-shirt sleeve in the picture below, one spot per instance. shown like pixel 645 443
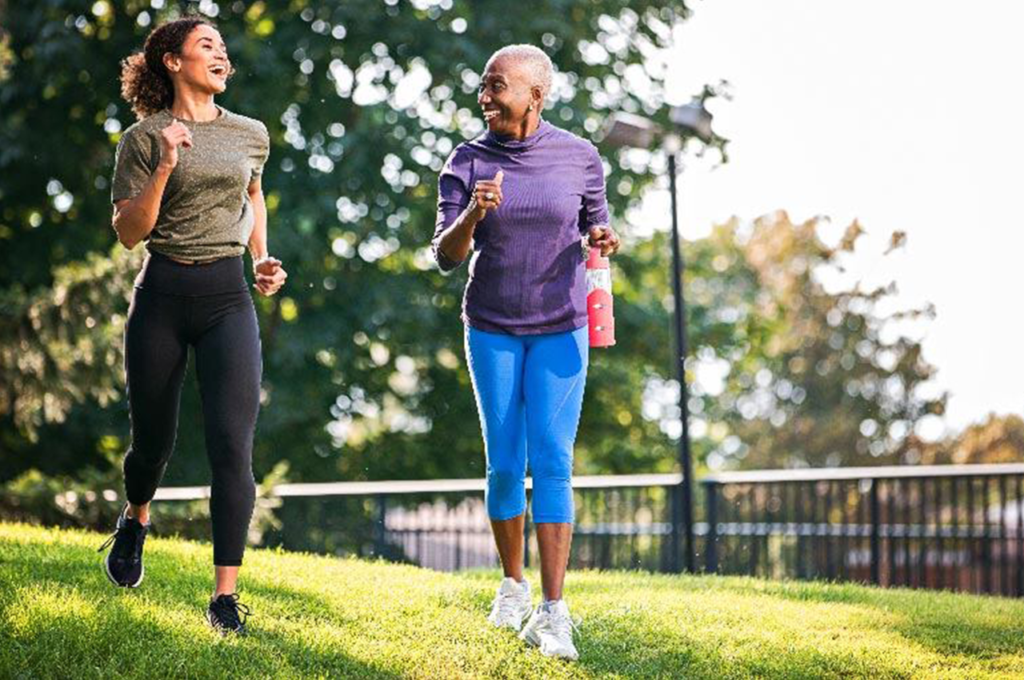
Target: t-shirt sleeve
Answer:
pixel 452 198
pixel 261 153
pixel 594 211
pixel 133 166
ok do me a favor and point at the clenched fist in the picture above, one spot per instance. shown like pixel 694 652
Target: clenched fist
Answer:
pixel 171 137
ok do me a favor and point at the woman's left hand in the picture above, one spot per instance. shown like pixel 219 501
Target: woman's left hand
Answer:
pixel 605 239
pixel 270 275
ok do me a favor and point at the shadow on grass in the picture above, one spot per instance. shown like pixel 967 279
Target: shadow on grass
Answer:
pixel 120 640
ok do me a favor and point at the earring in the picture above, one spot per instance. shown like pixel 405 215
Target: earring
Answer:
pixel 530 107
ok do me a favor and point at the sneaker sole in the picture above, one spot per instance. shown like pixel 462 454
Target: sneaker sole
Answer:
pixel 106 569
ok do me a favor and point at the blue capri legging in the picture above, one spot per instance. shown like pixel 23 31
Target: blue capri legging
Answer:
pixel 529 392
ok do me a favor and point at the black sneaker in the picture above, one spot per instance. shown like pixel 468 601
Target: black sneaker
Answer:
pixel 124 562
pixel 223 614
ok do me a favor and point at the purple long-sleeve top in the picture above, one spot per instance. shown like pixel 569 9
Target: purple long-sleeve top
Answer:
pixel 527 272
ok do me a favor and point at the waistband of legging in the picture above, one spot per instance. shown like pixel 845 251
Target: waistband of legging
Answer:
pixel 161 274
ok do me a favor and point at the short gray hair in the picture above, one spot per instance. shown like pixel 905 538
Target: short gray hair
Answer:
pixel 537 62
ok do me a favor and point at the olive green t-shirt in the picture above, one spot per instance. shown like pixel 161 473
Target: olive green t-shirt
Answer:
pixel 205 212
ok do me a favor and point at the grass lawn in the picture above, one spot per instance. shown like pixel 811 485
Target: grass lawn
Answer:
pixel 325 617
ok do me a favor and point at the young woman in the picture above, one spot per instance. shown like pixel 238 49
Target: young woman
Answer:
pixel 521 197
pixel 187 183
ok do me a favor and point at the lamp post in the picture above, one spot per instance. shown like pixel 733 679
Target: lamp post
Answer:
pixel 629 130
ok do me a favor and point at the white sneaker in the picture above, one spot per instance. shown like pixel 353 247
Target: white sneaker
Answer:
pixel 550 628
pixel 511 605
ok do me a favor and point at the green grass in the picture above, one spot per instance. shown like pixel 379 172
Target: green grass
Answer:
pixel 318 616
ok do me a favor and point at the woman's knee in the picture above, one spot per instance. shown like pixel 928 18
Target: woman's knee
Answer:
pixel 505 478
pixel 233 466
pixel 552 485
pixel 149 453
pixel 553 462
pixel 506 492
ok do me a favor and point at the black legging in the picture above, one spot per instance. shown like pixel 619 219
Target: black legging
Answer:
pixel 207 306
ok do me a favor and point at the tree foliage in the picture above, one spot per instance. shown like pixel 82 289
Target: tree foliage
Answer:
pixel 998 439
pixel 364 374
pixel 821 382
pixel 363 101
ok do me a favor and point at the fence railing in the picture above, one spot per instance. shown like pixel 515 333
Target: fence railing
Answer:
pixel 953 527
pixel 948 527
pixel 622 521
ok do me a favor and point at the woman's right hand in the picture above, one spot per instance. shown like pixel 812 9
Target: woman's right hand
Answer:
pixel 171 137
pixel 486 196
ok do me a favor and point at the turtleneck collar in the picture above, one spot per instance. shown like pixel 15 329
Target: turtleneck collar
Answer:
pixel 512 144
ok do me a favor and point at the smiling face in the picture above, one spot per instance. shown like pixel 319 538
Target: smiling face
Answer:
pixel 506 95
pixel 203 64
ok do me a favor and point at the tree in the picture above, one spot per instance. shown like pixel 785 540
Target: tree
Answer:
pixel 363 369
pixel 364 376
pixel 816 383
pixel 998 439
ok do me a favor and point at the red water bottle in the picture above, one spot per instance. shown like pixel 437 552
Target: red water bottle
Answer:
pixel 599 300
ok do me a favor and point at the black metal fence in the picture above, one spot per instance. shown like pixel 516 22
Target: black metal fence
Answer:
pixel 952 527
pixel 622 521
pixel 943 527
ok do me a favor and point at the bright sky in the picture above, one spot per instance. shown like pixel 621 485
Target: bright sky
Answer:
pixel 905 115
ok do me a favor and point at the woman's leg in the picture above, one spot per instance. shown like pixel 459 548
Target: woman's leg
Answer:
pixel 554 376
pixel 155 357
pixel 225 580
pixel 156 354
pixel 555 540
pixel 495 365
pixel 229 368
pixel 508 537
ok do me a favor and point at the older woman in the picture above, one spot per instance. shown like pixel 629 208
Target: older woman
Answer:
pixel 187 183
pixel 522 197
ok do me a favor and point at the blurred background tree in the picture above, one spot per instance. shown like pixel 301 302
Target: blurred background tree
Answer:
pixel 827 386
pixel 999 439
pixel 364 373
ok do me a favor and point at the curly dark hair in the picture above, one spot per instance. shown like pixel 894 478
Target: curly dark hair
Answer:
pixel 145 82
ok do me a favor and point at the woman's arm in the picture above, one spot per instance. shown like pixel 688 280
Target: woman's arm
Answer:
pixel 269 273
pixel 455 241
pixel 135 217
pixel 594 216
pixel 258 239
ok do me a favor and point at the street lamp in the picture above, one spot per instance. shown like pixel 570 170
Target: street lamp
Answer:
pixel 631 130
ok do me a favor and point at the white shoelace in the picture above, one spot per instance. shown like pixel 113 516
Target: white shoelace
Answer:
pixel 507 604
pixel 561 625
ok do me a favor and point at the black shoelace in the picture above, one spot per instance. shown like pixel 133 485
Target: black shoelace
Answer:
pixel 227 609
pixel 127 542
